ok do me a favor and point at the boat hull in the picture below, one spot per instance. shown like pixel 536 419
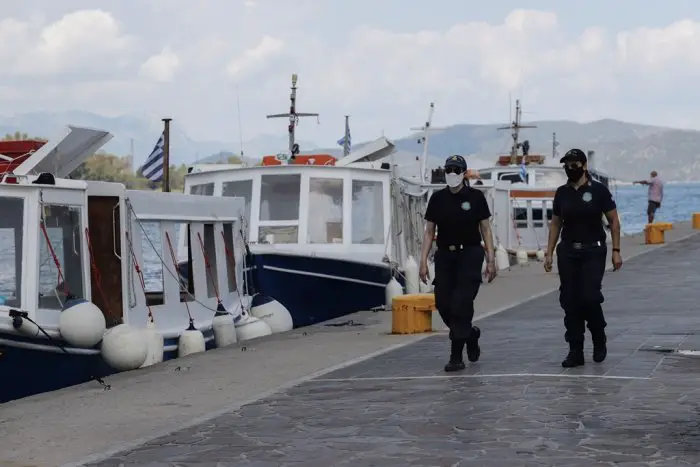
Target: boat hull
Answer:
pixel 29 367
pixel 316 289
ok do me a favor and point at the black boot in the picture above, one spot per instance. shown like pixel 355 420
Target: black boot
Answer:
pixel 574 357
pixel 600 349
pixel 473 350
pixel 456 359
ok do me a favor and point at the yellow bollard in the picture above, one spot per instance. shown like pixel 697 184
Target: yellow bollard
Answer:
pixel 696 220
pixel 654 233
pixel 412 314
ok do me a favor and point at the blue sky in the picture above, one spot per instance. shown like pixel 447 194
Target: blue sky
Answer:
pixel 380 61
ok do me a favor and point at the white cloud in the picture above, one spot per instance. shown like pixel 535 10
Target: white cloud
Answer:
pixel 255 58
pixel 77 42
pixel 383 73
pixel 161 67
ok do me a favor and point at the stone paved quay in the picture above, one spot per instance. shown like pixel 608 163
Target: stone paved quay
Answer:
pixel 516 407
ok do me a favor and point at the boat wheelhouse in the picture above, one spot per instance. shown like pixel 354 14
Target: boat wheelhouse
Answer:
pixel 72 254
pixel 318 234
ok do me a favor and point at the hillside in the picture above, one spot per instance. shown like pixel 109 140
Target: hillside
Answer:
pixel 625 150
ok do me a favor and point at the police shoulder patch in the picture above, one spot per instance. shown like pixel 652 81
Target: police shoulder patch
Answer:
pixel 466 206
pixel 587 196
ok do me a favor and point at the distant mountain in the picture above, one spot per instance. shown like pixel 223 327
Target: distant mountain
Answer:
pixel 625 150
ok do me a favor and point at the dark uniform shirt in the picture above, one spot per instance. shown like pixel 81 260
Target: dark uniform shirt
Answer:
pixel 457 216
pixel 581 211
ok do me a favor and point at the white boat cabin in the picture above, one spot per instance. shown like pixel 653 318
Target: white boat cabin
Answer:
pixel 67 238
pixel 322 210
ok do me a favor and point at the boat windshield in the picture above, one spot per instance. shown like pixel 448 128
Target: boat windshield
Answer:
pixel 11 241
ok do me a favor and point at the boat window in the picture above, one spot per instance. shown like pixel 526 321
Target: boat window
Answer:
pixel 537 217
pixel 11 239
pixel 367 212
pixel 279 208
pixel 182 249
pixel 279 197
pixel 155 251
pixel 550 177
pixel 325 210
pixel 520 217
pixel 63 227
pixel 243 189
pixel 209 241
pixel 205 189
pixel 512 177
pixel 485 175
pixel 278 234
pixel 230 257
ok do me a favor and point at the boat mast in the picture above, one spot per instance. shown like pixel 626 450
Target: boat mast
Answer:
pixel 293 116
pixel 515 128
pixel 426 129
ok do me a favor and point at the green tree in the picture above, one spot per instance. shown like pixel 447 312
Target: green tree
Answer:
pixel 20 136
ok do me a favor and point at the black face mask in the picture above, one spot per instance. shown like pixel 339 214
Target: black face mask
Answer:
pixel 574 174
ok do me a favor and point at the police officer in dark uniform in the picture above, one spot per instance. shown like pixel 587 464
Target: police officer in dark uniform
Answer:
pixel 578 210
pixel 461 215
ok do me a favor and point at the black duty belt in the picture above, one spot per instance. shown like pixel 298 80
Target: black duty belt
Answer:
pixel 584 245
pixel 456 247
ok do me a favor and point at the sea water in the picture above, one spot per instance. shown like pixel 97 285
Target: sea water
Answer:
pixel 680 201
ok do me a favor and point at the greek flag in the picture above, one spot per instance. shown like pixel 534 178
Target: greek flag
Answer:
pixel 152 169
pixel 341 141
pixel 523 170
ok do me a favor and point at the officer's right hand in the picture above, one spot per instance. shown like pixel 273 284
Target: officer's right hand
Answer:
pixel 548 262
pixel 423 272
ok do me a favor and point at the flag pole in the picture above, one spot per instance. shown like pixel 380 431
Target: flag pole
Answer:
pixel 166 155
pixel 346 138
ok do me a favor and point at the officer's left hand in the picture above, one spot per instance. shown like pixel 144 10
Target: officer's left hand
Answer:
pixel 616 260
pixel 490 272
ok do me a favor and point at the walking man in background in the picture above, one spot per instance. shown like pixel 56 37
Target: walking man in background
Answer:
pixel 656 194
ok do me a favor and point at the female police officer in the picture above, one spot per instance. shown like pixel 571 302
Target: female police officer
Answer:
pixel 461 214
pixel 577 214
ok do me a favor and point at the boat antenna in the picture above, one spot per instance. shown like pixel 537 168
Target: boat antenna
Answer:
pixel 240 124
pixel 515 128
pixel 293 116
pixel 426 129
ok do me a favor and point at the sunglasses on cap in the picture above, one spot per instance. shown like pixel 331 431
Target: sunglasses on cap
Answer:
pixel 454 170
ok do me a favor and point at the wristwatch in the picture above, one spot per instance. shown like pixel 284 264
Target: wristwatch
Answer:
pixel 616 250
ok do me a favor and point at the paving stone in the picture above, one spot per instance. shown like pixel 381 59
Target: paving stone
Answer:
pixel 517 406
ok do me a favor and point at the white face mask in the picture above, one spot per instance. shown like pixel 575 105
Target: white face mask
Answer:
pixel 454 180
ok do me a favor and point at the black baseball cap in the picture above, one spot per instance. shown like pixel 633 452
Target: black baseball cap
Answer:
pixel 574 155
pixel 456 161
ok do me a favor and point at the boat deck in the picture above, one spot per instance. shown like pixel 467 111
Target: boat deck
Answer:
pixel 517 406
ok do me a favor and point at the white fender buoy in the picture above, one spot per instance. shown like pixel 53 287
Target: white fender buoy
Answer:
pixel 271 312
pixel 224 329
pixel 412 277
pixel 124 348
pixel 540 255
pixel 26 327
pixel 81 323
pixel 191 341
pixel 521 256
pixel 154 343
pixel 502 261
pixel 393 289
pixel 251 327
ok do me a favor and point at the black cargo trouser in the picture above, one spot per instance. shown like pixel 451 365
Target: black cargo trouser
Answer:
pixel 457 282
pixel 581 268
